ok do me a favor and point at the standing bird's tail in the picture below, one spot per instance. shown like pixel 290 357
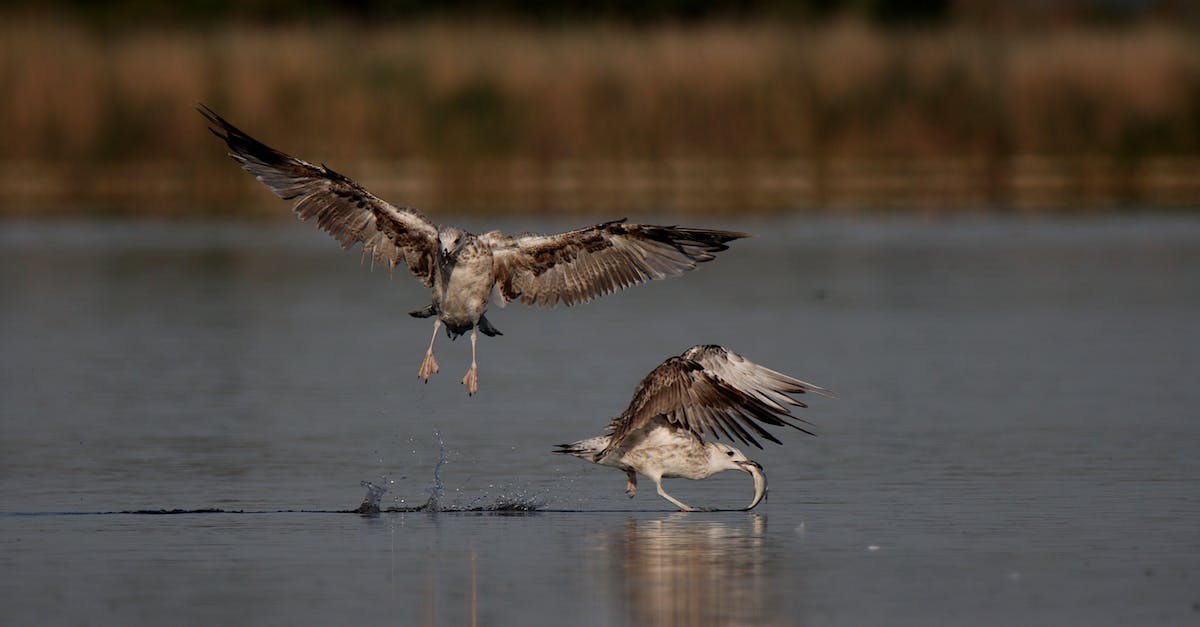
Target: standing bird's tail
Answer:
pixel 585 449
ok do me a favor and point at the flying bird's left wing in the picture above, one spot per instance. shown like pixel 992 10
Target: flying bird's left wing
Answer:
pixel 578 266
pixel 341 207
pixel 688 393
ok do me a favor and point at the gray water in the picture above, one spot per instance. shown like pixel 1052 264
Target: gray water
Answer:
pixel 1014 440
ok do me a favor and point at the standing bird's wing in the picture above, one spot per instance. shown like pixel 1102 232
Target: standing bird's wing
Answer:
pixel 764 384
pixel 341 206
pixel 710 388
pixel 578 266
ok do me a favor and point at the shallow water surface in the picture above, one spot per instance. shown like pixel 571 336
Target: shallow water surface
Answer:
pixel 1013 440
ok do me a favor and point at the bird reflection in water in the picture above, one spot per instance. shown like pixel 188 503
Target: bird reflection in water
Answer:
pixel 681 571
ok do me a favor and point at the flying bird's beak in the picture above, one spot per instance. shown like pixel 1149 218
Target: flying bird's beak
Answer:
pixel 760 481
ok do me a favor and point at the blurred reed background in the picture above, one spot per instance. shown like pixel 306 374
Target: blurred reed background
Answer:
pixel 614 107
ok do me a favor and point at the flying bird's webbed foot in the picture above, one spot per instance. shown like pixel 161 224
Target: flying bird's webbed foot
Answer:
pixel 471 380
pixel 429 366
pixel 631 487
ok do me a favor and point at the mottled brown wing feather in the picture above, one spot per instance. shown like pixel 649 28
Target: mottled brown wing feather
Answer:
pixel 340 206
pixel 578 266
pixel 764 384
pixel 711 390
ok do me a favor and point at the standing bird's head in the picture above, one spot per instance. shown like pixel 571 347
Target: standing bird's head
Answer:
pixel 725 457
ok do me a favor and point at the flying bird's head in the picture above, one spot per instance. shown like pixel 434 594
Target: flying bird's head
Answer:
pixel 451 240
pixel 725 457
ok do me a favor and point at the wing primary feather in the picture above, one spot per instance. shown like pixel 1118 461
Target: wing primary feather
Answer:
pixel 712 392
pixel 337 204
pixel 742 435
pixel 600 259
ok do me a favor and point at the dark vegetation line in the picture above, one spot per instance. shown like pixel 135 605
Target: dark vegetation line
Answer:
pixel 609 106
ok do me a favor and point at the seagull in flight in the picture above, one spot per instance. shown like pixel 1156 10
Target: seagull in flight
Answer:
pixel 464 270
pixel 708 391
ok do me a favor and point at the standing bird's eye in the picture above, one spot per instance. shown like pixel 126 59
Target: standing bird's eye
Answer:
pixel 729 453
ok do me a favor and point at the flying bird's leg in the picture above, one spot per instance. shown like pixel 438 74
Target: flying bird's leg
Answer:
pixel 430 365
pixel 663 493
pixel 631 488
pixel 472 378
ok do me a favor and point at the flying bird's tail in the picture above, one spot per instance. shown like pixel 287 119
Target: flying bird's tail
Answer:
pixel 487 328
pixel 424 312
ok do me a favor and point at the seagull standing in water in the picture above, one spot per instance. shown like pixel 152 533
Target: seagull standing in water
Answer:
pixel 463 269
pixel 707 390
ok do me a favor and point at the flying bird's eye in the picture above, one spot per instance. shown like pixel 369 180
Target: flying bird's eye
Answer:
pixel 729 453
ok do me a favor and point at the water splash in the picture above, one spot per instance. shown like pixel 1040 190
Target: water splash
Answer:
pixel 508 500
pixel 519 502
pixel 370 504
pixel 438 489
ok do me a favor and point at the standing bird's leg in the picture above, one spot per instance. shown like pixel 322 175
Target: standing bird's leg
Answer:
pixel 472 378
pixel 429 366
pixel 663 493
pixel 631 489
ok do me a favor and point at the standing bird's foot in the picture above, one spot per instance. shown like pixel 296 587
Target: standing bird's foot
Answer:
pixel 683 507
pixel 471 380
pixel 429 367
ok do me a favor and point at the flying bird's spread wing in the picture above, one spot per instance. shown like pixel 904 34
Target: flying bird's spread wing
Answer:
pixel 581 265
pixel 712 389
pixel 341 206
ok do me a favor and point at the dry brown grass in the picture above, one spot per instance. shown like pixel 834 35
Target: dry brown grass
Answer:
pixel 721 116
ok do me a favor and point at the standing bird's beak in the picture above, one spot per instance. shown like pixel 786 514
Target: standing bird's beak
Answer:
pixel 760 481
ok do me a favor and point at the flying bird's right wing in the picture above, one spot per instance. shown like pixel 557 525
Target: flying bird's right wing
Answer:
pixel 342 207
pixel 707 390
pixel 580 265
